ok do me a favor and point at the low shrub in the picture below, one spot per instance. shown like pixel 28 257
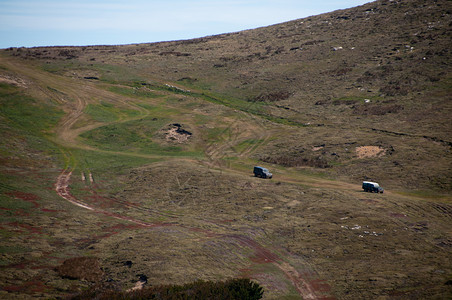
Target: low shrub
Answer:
pixel 241 288
pixel 84 268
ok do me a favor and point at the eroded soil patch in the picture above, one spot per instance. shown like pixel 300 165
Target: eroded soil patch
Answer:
pixel 177 134
pixel 369 151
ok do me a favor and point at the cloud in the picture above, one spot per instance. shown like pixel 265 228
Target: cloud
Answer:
pixel 163 15
pixel 155 19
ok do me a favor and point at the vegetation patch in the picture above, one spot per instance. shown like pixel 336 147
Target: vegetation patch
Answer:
pixel 272 96
pixel 102 113
pixel 131 136
pixel 83 268
pixel 108 164
pixel 135 91
pixel 10 203
pixel 25 113
pixel 296 161
pixel 246 144
pixel 13 249
pixel 223 290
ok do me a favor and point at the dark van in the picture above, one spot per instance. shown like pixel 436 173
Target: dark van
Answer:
pixel 372 187
pixel 262 172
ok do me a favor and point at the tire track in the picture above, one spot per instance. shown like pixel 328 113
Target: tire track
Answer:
pixel 299 280
pixel 62 189
pixel 67 135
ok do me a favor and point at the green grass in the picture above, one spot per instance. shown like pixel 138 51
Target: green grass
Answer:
pixel 246 144
pixel 14 204
pixel 101 113
pixel 134 92
pixel 135 136
pixel 13 249
pixel 116 74
pixel 58 66
pixel 107 112
pixel 108 164
pixel 128 136
pixel 255 108
pixel 348 100
pixel 218 133
pixel 25 113
pixel 108 73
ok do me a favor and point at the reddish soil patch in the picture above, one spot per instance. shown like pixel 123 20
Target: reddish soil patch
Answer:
pixel 321 286
pixel 21 212
pixel 100 201
pixel 31 229
pixel 19 266
pixel 261 255
pixel 28 287
pixel 25 197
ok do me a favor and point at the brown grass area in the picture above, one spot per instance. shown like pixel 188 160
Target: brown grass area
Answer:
pixel 82 268
pixel 369 151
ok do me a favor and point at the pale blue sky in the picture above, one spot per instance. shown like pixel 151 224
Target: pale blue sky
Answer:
pixel 31 23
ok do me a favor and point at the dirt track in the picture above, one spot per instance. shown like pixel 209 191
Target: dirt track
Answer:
pixel 302 282
pixel 67 135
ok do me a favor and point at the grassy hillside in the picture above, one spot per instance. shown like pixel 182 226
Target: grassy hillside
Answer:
pixel 138 159
pixel 375 75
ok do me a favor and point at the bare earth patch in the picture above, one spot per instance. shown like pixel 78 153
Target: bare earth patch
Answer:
pixel 177 134
pixel 14 81
pixel 369 151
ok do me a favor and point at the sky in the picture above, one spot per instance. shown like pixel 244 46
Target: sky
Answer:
pixel 30 23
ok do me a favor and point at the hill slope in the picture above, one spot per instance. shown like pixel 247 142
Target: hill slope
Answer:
pixel 375 75
pixel 138 158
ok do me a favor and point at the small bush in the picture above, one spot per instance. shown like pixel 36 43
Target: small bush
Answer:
pixel 85 268
pixel 227 290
